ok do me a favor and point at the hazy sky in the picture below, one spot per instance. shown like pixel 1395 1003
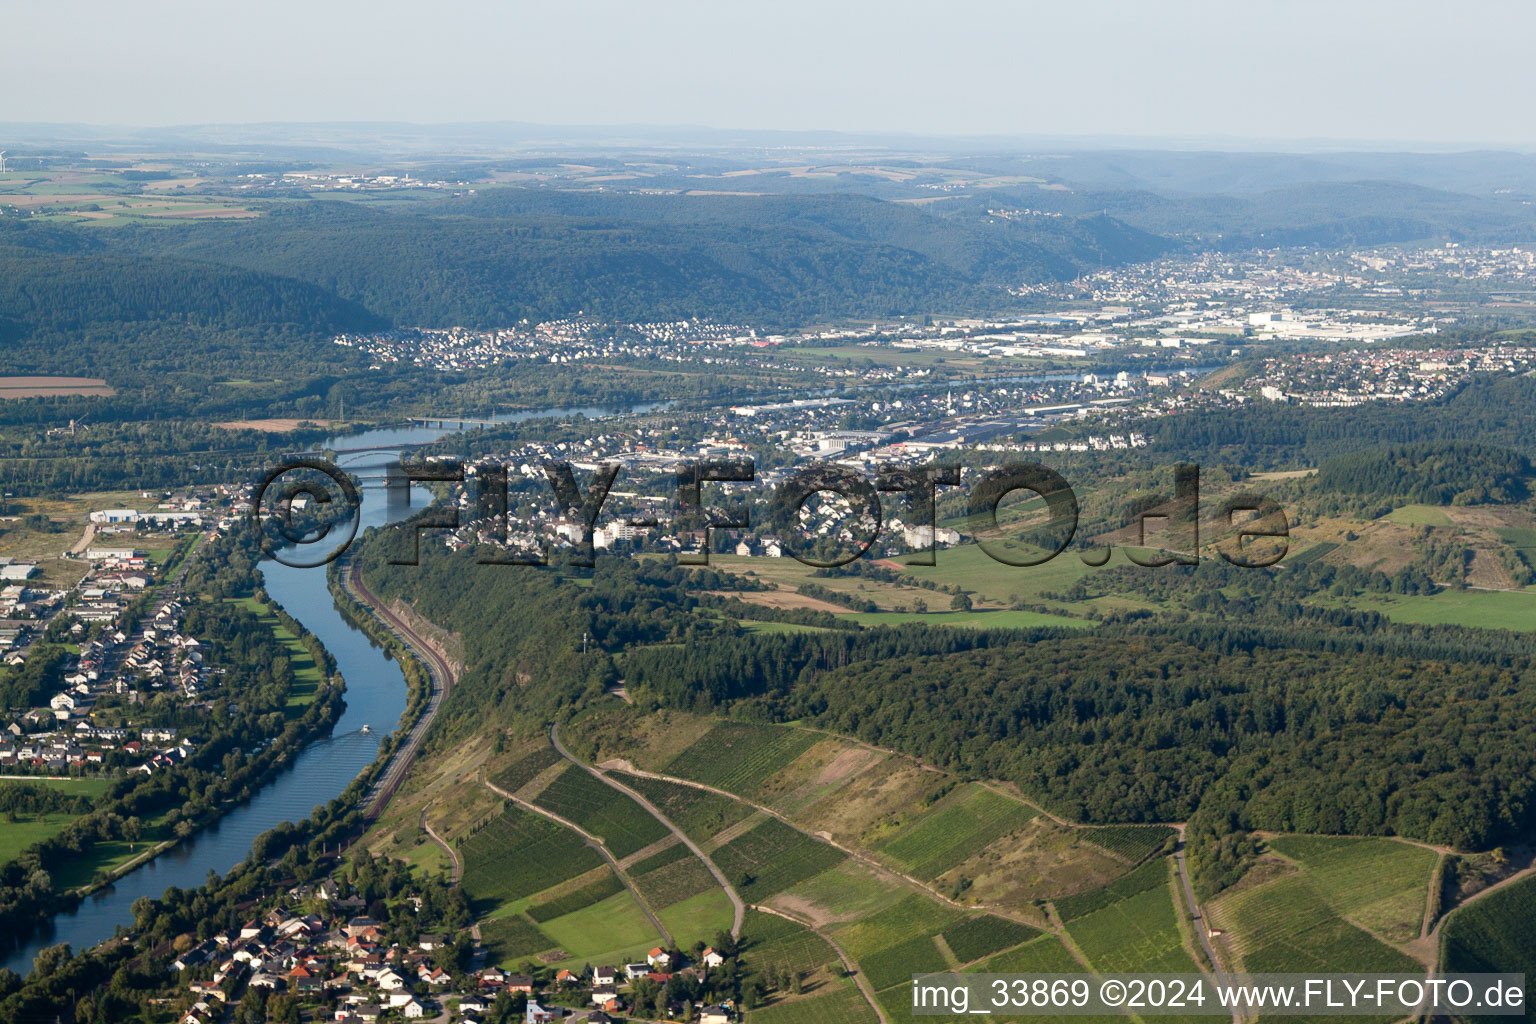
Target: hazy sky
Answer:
pixel 1341 69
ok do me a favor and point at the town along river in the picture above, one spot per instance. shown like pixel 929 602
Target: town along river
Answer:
pixel 375 694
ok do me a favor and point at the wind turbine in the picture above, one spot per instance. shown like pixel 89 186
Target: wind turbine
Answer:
pixel 2 161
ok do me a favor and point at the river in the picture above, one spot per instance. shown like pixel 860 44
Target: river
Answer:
pixel 375 691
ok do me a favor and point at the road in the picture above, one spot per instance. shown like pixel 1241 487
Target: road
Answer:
pixel 1196 917
pixel 439 672
pixel 849 964
pixel 453 855
pixel 738 907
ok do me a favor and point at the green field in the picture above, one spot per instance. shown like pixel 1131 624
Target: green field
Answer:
pixel 571 902
pixel 1380 884
pixel 770 857
pixel 27 829
pixel 1488 609
pixel 738 757
pixel 957 827
pixel 518 854
pixel 1496 934
pixel 999 619
pixel 608 931
pixel 623 825
pixel 1418 515
pixel 896 964
pixel 511 940
pixel 698 918
pixel 1045 954
pixel 1148 876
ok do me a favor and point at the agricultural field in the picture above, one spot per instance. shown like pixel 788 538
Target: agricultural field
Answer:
pixel 770 857
pixel 1488 609
pixel 546 855
pixel 978 937
pixel 623 825
pixel 963 822
pixel 525 769
pixel 1045 954
pixel 1138 933
pixel 739 757
pixel 912 915
pixel 606 885
pixel 770 939
pixel 698 813
pixel 49 387
pixel 1284 925
pixel 512 939
pixel 1496 933
pixel 896 964
pixel 1379 884
pixel 1131 843
pixel 675 882
pixel 1418 515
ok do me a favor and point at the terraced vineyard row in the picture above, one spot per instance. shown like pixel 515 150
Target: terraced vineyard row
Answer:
pixel 1134 843
pixel 770 857
pixel 518 854
pixel 954 829
pixel 740 757
pixel 697 812
pixel 623 825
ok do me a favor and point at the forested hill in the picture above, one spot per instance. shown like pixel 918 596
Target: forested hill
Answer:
pixel 493 259
pixel 146 320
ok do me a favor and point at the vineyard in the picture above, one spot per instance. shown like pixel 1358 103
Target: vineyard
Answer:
pixel 1496 933
pixel 623 825
pixel 738 757
pixel 982 936
pixel 675 882
pixel 912 915
pixel 774 940
pixel 518 854
pixel 840 1004
pixel 1148 876
pixel 525 770
pixel 896 964
pixel 771 857
pixel 956 828
pixel 513 938
pixel 697 812
pixel 675 852
pixel 1379 883
pixel 1285 925
pixel 1045 955
pixel 1138 934
pixel 1132 843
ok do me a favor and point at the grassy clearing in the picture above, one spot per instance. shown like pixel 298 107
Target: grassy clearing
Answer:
pixel 27 829
pixel 1488 609
pixel 999 619
pixel 603 932
pixel 699 918
pixel 1418 515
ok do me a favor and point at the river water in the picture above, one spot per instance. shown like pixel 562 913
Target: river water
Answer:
pixel 375 692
